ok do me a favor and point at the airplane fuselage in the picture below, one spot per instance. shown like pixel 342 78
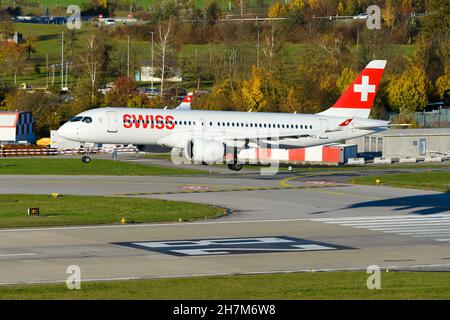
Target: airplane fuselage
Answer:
pixel 169 127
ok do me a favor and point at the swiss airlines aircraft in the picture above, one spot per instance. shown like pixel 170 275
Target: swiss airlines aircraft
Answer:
pixel 207 136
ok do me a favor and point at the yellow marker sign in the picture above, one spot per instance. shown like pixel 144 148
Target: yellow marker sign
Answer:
pixel 123 221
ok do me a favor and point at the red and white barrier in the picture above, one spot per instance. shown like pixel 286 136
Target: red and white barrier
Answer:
pixel 21 152
pixel 319 154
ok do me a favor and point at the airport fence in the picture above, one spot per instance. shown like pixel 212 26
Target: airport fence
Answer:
pixel 434 119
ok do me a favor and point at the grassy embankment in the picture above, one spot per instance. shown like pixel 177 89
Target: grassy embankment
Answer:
pixel 53 166
pixel 433 180
pixel 89 210
pixel 318 285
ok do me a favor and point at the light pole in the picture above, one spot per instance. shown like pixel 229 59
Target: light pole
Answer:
pixel 62 60
pixel 128 57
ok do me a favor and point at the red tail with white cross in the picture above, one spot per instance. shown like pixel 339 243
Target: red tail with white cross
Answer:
pixel 357 100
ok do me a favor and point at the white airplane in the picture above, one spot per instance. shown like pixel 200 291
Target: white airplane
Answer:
pixel 207 136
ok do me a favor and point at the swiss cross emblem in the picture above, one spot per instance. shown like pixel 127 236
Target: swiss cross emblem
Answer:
pixel 188 98
pixel 364 88
pixel 345 123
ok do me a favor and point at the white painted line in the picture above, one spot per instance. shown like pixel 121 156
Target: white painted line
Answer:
pixel 399 226
pixel 378 217
pixel 443 239
pixel 16 255
pixel 146 225
pixel 436 235
pixel 431 231
pixel 444 219
pixel 387 224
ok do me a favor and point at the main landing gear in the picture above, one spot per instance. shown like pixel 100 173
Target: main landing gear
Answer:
pixel 235 166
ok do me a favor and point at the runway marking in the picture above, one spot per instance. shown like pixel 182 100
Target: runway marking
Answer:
pixel 228 246
pixel 431 227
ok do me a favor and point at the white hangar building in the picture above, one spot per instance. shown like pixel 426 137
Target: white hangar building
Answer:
pixel 17 126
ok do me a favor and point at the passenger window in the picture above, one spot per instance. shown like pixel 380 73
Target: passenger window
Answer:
pixel 87 120
pixel 75 119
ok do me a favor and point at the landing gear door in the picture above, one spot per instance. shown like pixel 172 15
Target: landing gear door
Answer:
pixel 113 123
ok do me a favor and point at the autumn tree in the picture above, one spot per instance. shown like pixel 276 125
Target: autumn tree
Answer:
pixel 122 92
pixel 389 14
pixel 276 10
pixel 252 94
pixel 14 56
pixel 407 93
pixel 346 78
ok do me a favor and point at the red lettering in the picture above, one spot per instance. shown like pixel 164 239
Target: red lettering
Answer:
pixel 159 122
pixel 152 122
pixel 143 121
pixel 127 121
pixel 170 122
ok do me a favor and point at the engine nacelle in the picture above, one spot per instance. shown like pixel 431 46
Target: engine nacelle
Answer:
pixel 204 150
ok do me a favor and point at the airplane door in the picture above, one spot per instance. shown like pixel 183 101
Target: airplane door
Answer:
pixel 323 125
pixel 113 124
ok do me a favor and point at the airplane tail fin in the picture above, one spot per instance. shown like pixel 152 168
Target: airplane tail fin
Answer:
pixel 186 103
pixel 357 100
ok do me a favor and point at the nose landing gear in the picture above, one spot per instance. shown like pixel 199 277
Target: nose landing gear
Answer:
pixel 86 159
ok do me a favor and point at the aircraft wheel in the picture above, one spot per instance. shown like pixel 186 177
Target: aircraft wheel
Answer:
pixel 235 166
pixel 86 159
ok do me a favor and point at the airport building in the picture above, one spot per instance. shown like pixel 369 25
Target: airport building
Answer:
pixel 17 127
pixel 405 143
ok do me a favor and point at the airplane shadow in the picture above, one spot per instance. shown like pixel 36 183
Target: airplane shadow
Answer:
pixel 421 204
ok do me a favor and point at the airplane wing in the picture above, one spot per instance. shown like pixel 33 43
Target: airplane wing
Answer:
pixel 180 139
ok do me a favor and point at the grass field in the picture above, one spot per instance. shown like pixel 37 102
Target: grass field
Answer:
pixel 49 166
pixel 318 285
pixel 85 210
pixel 138 3
pixel 439 181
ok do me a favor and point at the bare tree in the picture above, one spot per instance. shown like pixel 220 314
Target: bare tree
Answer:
pixel 92 60
pixel 163 48
pixel 272 44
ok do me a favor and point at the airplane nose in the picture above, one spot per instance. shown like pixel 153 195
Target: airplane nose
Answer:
pixel 64 132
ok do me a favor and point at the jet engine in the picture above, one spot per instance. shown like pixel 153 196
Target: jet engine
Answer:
pixel 204 150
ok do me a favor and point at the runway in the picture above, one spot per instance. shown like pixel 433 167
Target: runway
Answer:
pixel 281 223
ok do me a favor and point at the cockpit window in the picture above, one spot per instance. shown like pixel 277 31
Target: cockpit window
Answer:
pixel 75 119
pixel 87 120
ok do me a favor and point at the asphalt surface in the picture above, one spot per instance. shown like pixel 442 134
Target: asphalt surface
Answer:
pixel 301 222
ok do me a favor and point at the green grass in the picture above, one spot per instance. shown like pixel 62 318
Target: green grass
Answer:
pixel 434 180
pixel 88 210
pixel 49 166
pixel 319 285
